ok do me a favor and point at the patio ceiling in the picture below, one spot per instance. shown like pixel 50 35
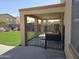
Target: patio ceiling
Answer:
pixel 48 16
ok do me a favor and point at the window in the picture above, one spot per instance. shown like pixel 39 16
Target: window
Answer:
pixel 75 26
pixel 7 19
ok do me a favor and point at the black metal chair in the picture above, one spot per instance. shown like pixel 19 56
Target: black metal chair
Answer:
pixel 52 37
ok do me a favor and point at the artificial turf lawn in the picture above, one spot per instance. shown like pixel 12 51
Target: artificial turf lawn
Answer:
pixel 12 38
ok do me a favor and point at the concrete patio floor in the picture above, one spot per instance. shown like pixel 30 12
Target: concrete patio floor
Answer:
pixel 5 48
pixel 31 52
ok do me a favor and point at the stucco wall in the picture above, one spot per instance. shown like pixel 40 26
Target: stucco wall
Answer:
pixel 67 21
pixel 17 20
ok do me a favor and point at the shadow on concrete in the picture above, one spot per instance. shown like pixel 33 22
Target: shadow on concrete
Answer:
pixel 31 52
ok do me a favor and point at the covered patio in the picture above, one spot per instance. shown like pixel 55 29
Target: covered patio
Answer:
pixel 44 13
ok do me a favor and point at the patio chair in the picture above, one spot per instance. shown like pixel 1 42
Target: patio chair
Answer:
pixel 52 37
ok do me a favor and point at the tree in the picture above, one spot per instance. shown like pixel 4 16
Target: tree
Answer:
pixel 2 26
pixel 2 23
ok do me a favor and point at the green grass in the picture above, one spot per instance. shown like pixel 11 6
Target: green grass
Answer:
pixel 30 35
pixel 12 38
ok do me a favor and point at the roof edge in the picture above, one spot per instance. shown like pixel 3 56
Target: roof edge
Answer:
pixel 43 7
pixel 7 14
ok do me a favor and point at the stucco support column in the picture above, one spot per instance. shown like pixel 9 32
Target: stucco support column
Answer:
pixel 67 22
pixel 46 25
pixel 61 26
pixel 42 27
pixel 62 30
pixel 36 26
pixel 23 20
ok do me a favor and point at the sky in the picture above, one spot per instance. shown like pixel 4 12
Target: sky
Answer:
pixel 12 6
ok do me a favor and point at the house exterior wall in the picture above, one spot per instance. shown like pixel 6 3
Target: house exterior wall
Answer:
pixel 67 21
pixel 17 20
pixel 7 18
